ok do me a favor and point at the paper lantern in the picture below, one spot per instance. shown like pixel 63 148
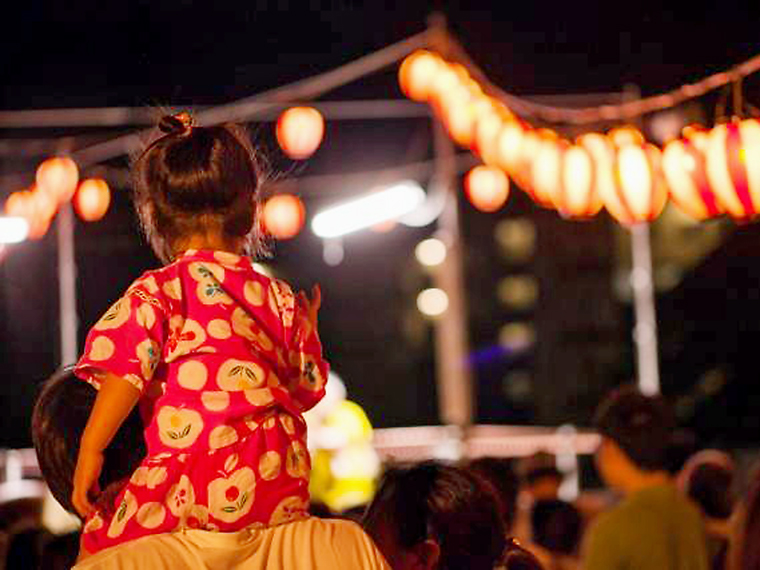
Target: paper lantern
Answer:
pixel 509 143
pixel 577 196
pixel 283 216
pixel 487 128
pixel 641 193
pixel 487 188
pixel 733 167
pixel 34 208
pixel 685 169
pixel 417 74
pixel 300 131
pixel 533 142
pixel 546 170
pixel 92 199
pixel 58 177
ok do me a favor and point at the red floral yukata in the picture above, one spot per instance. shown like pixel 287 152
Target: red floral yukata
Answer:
pixel 226 362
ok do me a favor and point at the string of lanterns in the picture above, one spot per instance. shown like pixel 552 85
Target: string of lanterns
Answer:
pixel 705 172
pixel 56 183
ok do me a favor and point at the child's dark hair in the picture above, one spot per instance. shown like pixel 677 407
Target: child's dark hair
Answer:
pixel 197 180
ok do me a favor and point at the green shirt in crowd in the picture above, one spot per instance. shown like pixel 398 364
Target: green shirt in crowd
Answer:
pixel 653 529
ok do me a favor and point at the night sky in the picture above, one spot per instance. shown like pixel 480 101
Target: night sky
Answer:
pixel 161 52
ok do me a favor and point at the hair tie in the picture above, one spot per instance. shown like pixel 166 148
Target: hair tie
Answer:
pixel 178 124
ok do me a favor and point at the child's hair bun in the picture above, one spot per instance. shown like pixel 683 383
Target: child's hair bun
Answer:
pixel 177 124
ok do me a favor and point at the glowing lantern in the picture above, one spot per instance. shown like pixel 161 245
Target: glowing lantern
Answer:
pixel 417 74
pixel 283 216
pixel 487 188
pixel 460 109
pixel 685 170
pixel 445 80
pixel 532 143
pixel 733 167
pixel 577 196
pixel 487 128
pixel 509 146
pixel 640 189
pixel 626 135
pixel 546 170
pixel 92 199
pixel 58 177
pixel 25 204
pixel 300 131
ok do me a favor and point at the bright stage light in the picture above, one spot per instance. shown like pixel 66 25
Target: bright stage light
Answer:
pixel 368 210
pixel 13 229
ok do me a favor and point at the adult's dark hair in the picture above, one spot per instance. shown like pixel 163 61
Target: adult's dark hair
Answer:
pixel 640 425
pixel 711 487
pixel 556 525
pixel 498 472
pixel 197 180
pixel 447 504
pixel 58 421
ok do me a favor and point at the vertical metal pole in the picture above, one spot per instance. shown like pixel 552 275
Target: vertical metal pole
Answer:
pixel 67 284
pixel 454 379
pixel 645 330
pixel 642 283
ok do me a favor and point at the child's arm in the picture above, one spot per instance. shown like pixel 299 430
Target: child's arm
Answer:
pixel 115 400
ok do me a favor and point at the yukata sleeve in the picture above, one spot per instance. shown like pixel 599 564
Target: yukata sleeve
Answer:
pixel 307 369
pixel 127 341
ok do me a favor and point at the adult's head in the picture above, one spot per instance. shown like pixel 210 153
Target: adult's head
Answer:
pixel 432 516
pixel 707 478
pixel 498 473
pixel 636 431
pixel 556 526
pixel 58 421
pixel 197 181
pixel 539 476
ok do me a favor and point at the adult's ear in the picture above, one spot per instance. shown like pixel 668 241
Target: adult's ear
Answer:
pixel 426 554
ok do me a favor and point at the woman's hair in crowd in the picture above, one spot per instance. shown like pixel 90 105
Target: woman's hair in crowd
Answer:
pixel 197 180
pixel 444 503
pixel 58 421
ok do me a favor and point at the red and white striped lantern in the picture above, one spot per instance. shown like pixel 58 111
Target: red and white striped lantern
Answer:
pixel 685 169
pixel 733 167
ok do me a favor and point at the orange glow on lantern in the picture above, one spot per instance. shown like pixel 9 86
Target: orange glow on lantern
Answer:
pixel 577 196
pixel 487 188
pixel 532 144
pixel 283 216
pixel 487 129
pixel 733 167
pixel 58 177
pixel 685 170
pixel 92 199
pixel 417 74
pixel 300 131
pixel 626 135
pixel 546 171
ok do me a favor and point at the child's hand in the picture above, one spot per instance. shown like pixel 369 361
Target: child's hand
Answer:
pixel 311 307
pixel 86 474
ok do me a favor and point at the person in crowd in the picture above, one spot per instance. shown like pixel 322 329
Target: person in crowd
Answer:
pixel 222 359
pixel 498 473
pixel 58 422
pixel 556 527
pixel 432 516
pixel 655 527
pixel 744 545
pixel 539 480
pixel 707 479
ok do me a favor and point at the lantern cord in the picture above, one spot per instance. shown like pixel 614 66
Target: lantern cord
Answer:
pixel 738 103
pixel 721 113
pixel 605 113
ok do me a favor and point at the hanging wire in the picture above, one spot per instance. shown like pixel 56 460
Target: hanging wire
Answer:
pixel 605 113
